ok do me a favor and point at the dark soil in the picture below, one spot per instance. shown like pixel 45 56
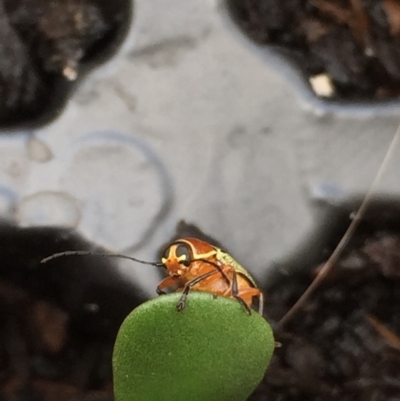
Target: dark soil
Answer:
pixel 354 42
pixel 344 343
pixel 45 45
pixel 58 321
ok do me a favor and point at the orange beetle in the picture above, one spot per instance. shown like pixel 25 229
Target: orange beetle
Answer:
pixel 195 265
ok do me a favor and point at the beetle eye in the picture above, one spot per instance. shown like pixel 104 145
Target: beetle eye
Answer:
pixel 183 254
pixel 165 254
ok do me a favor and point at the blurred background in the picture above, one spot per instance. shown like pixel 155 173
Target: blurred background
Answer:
pixel 187 121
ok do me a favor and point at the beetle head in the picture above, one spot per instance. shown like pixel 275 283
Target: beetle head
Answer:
pixel 179 255
pixel 177 258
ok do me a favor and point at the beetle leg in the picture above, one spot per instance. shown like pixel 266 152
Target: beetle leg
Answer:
pixel 219 268
pixel 167 282
pixel 235 293
pixel 182 302
pixel 254 292
pixel 260 303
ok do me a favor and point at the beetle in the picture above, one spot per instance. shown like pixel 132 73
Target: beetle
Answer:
pixel 196 265
pixel 193 264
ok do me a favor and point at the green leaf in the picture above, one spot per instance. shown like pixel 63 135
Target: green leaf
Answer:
pixel 211 351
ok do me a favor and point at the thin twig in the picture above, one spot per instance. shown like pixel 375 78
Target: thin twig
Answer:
pixel 346 237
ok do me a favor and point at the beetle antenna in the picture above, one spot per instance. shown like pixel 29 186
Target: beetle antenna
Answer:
pixel 108 255
pixel 346 237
